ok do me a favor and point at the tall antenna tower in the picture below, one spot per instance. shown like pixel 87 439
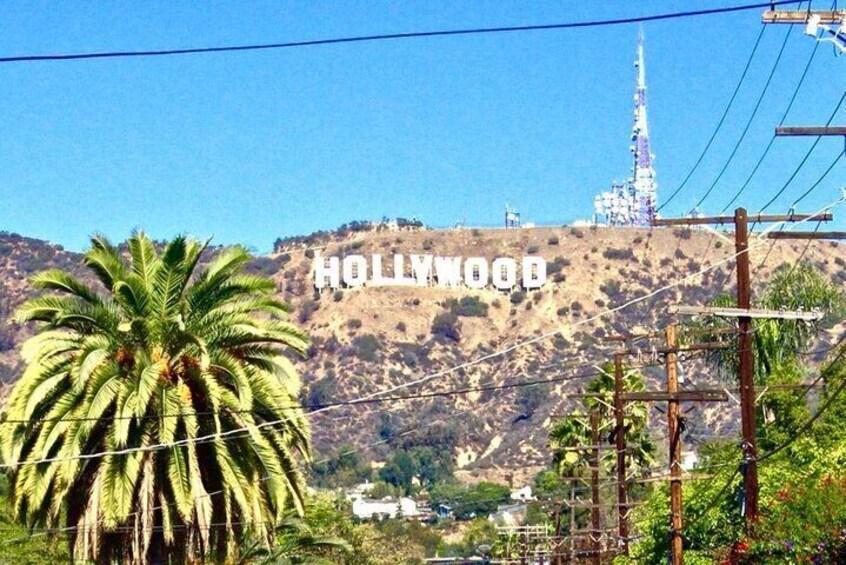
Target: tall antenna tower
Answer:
pixel 633 203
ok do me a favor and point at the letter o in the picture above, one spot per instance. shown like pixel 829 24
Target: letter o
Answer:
pixel 504 273
pixel 476 272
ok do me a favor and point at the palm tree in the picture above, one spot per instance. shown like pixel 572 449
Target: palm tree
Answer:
pixel 297 544
pixel 568 436
pixel 178 372
pixel 569 433
pixel 779 344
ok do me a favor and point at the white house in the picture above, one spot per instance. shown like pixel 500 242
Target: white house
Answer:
pixel 359 490
pixel 689 460
pixel 508 514
pixel 368 508
pixel 523 494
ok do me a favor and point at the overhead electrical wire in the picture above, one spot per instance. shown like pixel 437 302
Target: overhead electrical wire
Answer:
pixel 749 121
pixel 719 123
pixel 804 159
pixel 387 36
pixel 223 436
pixel 773 137
pixel 353 402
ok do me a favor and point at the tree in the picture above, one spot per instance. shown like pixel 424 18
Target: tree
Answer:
pixel 778 344
pixel 574 431
pixel 470 501
pixel 776 341
pixel 567 435
pixel 418 462
pixel 155 416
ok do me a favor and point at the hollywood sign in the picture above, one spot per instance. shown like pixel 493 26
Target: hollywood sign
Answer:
pixel 429 270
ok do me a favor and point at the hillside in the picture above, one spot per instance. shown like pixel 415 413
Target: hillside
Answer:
pixel 369 339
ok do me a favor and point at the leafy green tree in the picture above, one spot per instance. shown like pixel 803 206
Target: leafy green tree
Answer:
pixel 777 341
pixel 343 470
pixel 296 544
pixel 419 462
pixel 567 434
pixel 479 500
pixel 161 371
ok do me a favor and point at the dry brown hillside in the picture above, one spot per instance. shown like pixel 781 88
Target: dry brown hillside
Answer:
pixel 368 340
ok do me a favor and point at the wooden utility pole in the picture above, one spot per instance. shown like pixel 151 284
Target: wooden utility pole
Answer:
pixel 674 434
pixel 746 366
pixel 620 442
pixel 595 524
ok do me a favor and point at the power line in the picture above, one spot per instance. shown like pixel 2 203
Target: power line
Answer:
pixel 719 123
pixel 353 402
pixel 749 121
pixel 388 36
pixel 773 138
pixel 804 159
pixel 819 180
pixel 223 436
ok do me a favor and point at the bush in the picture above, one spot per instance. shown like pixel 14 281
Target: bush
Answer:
pixel 556 265
pixel 319 393
pixel 446 326
pixel 307 308
pixel 337 295
pixel 518 296
pixel 366 347
pixel 619 254
pixel 611 288
pixel 530 398
pixel 532 249
pixel 428 245
pixel 469 307
pixel 563 311
pixel 553 240
pixel 401 326
pixel 354 324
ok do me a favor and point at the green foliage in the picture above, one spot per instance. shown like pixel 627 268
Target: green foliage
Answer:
pixel 343 470
pixel 320 392
pixel 446 326
pixel 468 306
pixel 517 297
pixel 777 342
pixel 367 347
pixel 806 523
pixel 530 398
pixel 427 465
pixel 568 433
pixel 802 490
pixel 19 546
pixel 467 502
pixel 129 368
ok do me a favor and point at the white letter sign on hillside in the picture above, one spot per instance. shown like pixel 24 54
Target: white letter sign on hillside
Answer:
pixel 427 270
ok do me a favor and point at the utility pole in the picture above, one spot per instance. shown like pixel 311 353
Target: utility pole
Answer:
pixel 674 434
pixel 595 524
pixel 620 442
pixel 822 25
pixel 746 366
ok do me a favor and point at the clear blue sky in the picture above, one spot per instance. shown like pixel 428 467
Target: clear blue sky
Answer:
pixel 250 146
